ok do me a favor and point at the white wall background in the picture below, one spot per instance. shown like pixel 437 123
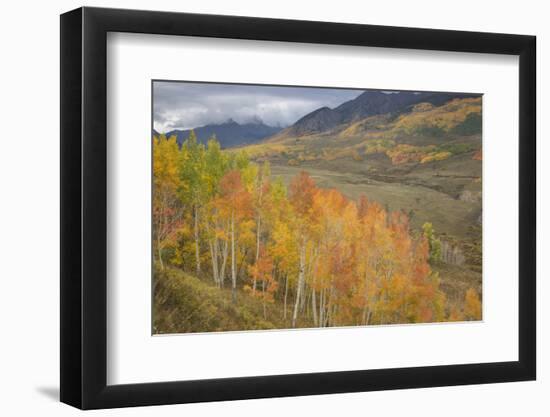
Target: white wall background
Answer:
pixel 29 225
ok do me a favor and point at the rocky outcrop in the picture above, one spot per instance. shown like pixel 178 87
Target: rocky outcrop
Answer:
pixel 451 254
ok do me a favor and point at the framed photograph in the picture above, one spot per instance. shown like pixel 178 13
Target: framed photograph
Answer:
pixel 257 208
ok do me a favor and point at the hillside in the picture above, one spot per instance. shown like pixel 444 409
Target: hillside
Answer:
pixel 425 161
pixel 184 303
pixel 429 146
pixel 187 304
pixel 369 103
pixel 369 215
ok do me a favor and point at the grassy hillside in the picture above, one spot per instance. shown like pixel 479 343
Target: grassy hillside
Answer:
pixel 455 281
pixel 456 117
pixel 388 143
pixel 186 304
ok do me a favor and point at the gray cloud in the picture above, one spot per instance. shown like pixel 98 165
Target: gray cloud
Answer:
pixel 185 105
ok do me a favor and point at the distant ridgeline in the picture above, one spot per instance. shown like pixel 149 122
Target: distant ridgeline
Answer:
pixel 228 134
pixel 369 103
pixel 419 113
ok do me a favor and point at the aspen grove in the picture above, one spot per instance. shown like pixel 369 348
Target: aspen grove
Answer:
pixel 324 259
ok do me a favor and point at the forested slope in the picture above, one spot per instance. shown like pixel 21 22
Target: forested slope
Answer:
pixel 330 259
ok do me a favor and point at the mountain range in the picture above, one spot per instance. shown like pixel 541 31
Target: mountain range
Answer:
pixel 229 133
pixel 415 152
pixel 369 103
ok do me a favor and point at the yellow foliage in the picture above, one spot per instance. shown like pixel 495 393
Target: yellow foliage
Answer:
pixel 359 263
pixel 378 145
pixel 293 163
pixel 368 124
pixel 422 107
pixel 404 153
pixel 472 305
pixel 443 117
pixel 435 156
pixel 262 149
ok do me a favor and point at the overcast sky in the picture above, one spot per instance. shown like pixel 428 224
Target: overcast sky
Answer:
pixel 186 105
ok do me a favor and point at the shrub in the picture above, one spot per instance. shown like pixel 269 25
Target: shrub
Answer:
pixel 470 126
pixel 293 163
pixel 431 131
pixel 435 156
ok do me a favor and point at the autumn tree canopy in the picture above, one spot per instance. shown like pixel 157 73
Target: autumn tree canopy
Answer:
pixel 326 259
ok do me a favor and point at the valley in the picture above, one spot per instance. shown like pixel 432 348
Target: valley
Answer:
pixel 368 213
pixel 356 159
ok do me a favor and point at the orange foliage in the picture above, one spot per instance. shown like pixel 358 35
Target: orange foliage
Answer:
pixel 338 261
pixel 472 305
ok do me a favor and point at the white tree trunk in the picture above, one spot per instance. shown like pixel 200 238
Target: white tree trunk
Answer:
pixel 263 299
pixel 160 232
pixel 286 295
pixel 314 307
pixel 322 309
pixel 233 261
pixel 197 244
pixel 214 256
pixel 258 232
pixel 301 278
pixel 224 262
pixel 258 225
pixel 160 253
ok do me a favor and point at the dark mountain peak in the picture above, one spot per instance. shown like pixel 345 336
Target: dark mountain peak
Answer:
pixel 373 102
pixel 320 111
pixel 229 121
pixel 317 121
pixel 370 94
pixel 368 103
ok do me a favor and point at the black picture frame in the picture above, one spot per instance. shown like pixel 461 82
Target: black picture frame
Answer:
pixel 84 207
